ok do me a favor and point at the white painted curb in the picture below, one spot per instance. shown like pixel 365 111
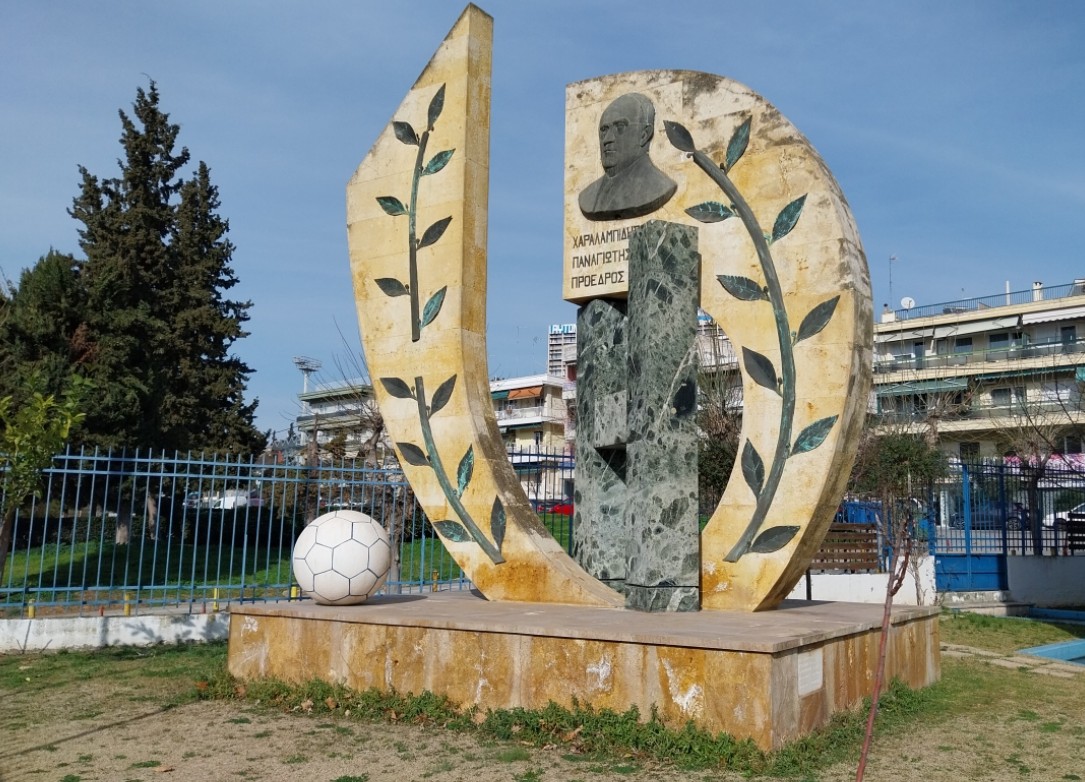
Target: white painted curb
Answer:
pixel 80 632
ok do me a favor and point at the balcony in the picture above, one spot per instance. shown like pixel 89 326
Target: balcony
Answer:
pixel 1057 351
pixel 523 416
pixel 987 415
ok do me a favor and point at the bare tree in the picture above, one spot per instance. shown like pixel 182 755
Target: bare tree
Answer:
pixel 719 411
pixel 891 467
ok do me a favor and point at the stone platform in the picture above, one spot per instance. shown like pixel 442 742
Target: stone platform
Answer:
pixel 771 676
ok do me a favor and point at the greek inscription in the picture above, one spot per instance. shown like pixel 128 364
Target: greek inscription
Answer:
pixel 593 280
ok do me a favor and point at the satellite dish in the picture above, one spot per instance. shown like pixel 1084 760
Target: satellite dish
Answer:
pixel 907 302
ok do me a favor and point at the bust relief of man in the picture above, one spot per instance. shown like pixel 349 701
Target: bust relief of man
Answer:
pixel 631 186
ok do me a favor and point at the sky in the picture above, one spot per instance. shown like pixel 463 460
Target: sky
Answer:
pixel 956 131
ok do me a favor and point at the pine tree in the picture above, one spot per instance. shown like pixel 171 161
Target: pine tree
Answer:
pixel 210 383
pixel 157 329
pixel 41 339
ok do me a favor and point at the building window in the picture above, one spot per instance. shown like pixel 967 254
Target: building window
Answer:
pixel 1068 336
pixel 999 341
pixel 969 451
pixel 962 345
pixel 1005 397
pixel 1071 443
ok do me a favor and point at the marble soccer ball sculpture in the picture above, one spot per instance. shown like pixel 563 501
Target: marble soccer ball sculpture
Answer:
pixel 342 558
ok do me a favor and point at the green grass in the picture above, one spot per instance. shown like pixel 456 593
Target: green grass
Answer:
pixel 168 671
pixel 611 741
pixel 1003 634
pixel 166 571
pixel 969 688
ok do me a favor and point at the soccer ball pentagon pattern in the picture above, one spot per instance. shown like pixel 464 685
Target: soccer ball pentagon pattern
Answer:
pixel 342 558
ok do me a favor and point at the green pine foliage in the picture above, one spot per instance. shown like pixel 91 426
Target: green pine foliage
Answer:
pixel 145 316
pixel 40 327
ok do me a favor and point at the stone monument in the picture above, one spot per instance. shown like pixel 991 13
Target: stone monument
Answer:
pixel 716 200
pixel 781 269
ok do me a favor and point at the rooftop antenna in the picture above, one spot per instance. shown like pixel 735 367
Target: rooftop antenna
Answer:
pixel 891 259
pixel 307 366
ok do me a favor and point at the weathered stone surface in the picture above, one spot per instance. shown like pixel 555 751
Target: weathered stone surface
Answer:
pixel 783 274
pixel 664 539
pixel 416 224
pixel 600 526
pixel 771 677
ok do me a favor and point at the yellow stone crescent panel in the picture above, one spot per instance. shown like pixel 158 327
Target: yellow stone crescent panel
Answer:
pixel 416 222
pixel 783 273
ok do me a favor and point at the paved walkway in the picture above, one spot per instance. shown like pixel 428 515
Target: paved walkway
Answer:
pixel 1027 662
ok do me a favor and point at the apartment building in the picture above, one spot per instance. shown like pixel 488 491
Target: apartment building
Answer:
pixel 339 418
pixel 981 373
pixel 974 374
pixel 529 410
pixel 560 348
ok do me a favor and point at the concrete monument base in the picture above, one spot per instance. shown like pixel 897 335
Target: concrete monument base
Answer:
pixel 772 676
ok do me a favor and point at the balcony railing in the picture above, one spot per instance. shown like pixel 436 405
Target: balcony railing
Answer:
pixel 990 355
pixel 546 413
pixel 1047 411
pixel 980 303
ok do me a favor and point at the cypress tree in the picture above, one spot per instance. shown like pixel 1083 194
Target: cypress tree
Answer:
pixel 157 330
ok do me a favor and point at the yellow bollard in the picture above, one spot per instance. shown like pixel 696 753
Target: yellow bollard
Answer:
pixel 31 609
pixel 127 604
pixel 295 592
pixel 433 575
pixel 215 600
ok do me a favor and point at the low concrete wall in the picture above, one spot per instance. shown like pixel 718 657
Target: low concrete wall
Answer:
pixel 918 588
pixel 1047 582
pixel 74 632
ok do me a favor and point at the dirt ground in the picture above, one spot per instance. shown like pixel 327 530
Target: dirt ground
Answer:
pixel 104 729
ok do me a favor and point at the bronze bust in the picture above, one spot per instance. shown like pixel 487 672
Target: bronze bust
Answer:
pixel 631 186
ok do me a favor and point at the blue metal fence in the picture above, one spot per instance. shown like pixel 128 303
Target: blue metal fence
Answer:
pixel 1006 507
pixel 131 530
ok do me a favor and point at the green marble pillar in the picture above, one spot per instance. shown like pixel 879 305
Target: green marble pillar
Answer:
pixel 635 526
pixel 663 546
pixel 599 524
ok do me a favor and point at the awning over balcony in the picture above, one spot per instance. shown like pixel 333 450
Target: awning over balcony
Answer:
pixel 923 387
pixel 1010 374
pixel 1066 313
pixel 906 334
pixel 526 393
pixel 499 395
pixel 976 327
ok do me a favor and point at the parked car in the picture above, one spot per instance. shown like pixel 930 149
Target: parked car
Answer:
pixel 238 498
pixel 983 518
pixel 1059 518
